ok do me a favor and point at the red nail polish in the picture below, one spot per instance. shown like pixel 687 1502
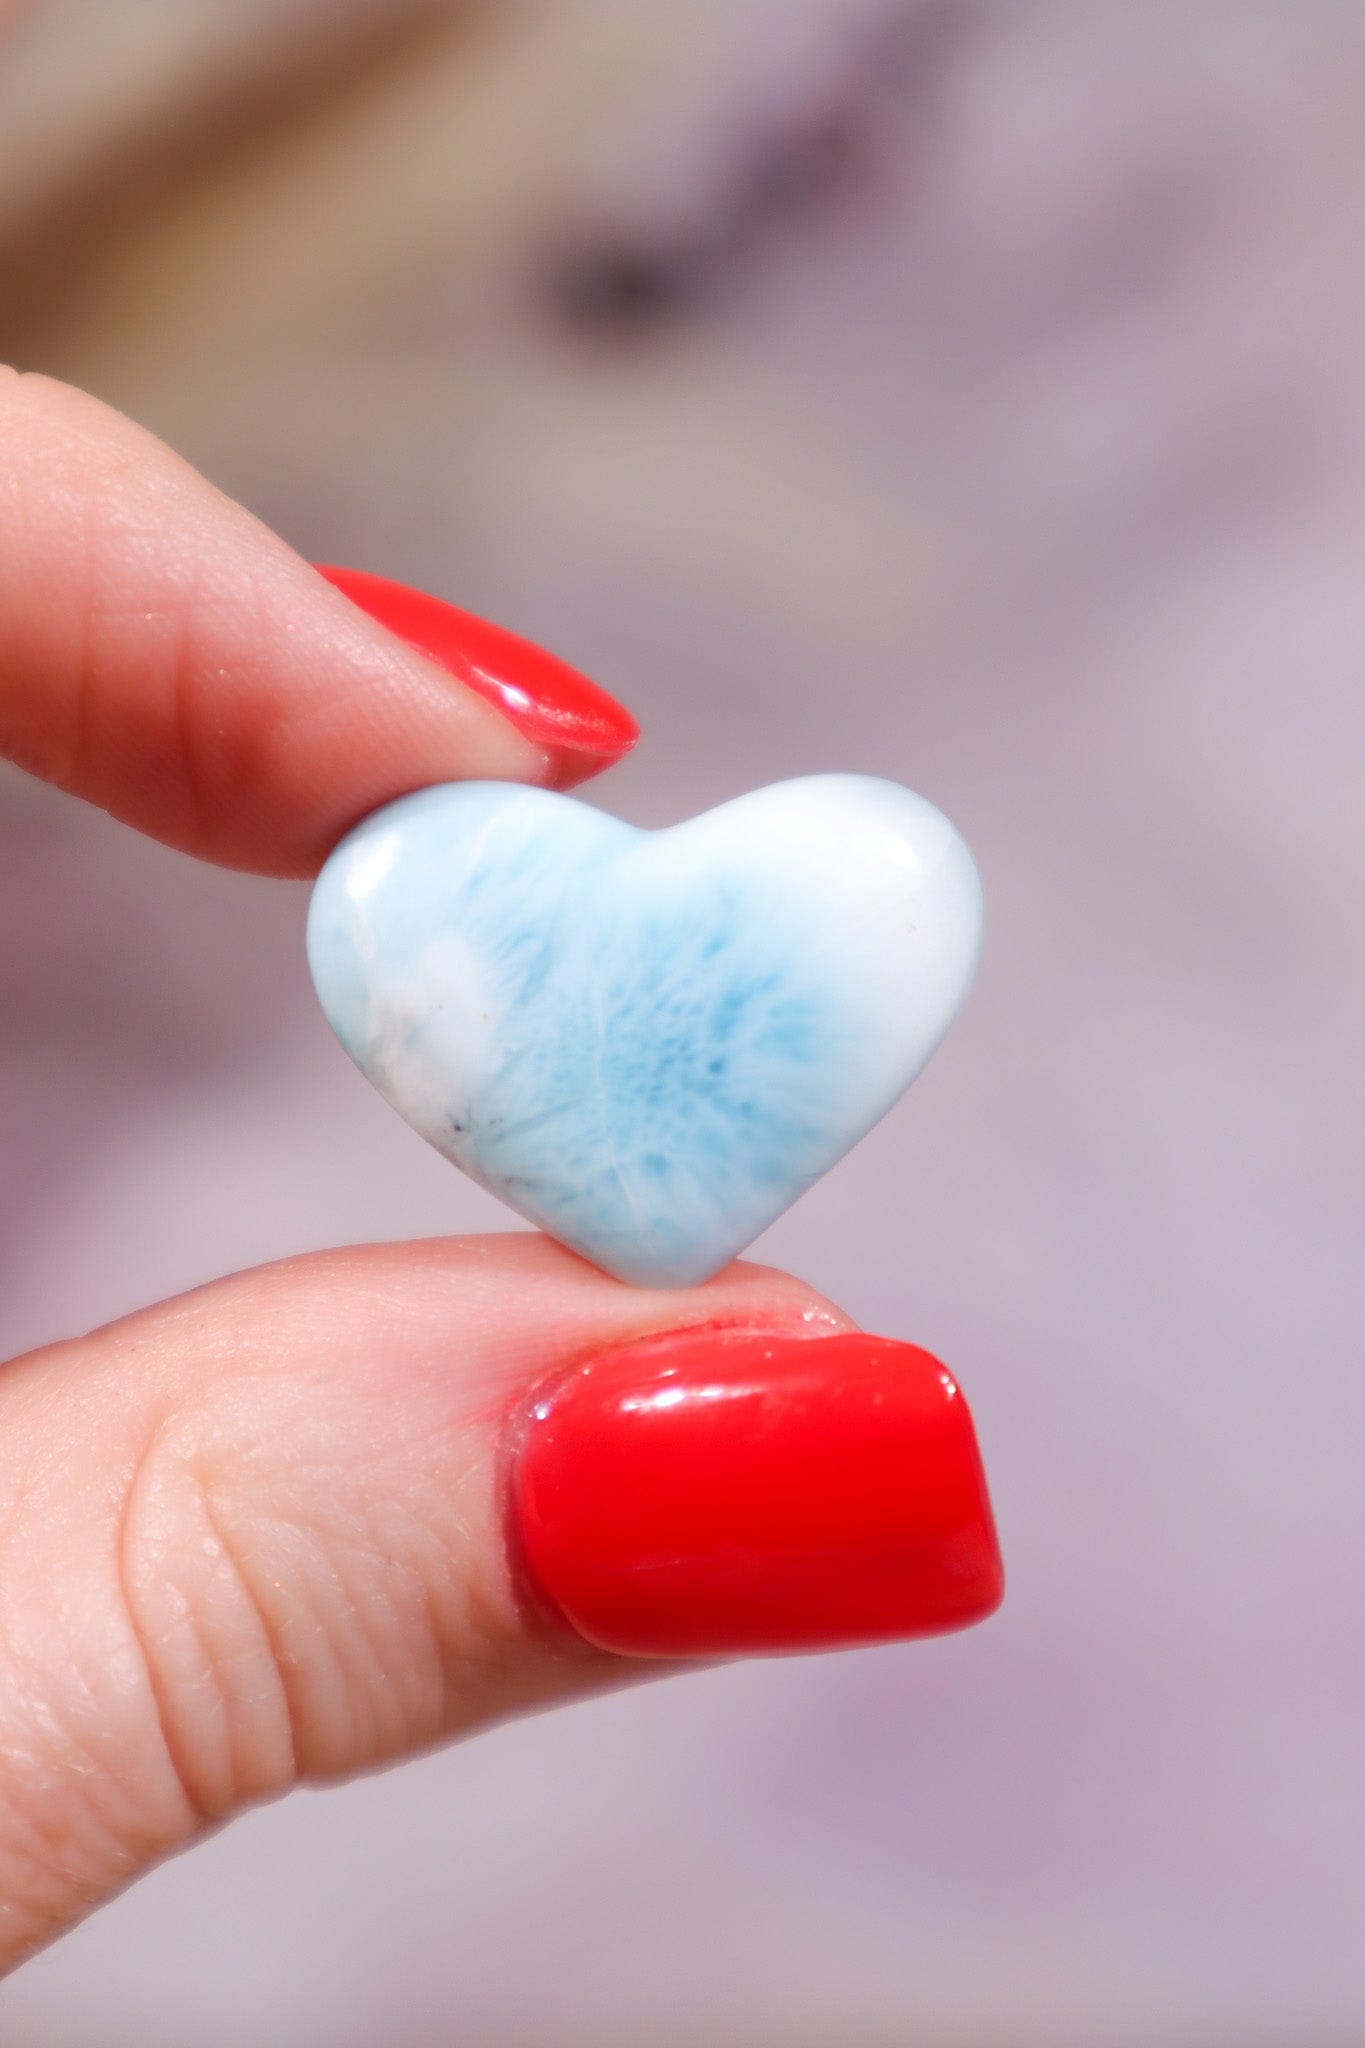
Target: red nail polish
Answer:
pixel 545 699
pixel 714 1491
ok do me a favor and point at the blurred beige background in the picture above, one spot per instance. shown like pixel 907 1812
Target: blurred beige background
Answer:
pixel 962 391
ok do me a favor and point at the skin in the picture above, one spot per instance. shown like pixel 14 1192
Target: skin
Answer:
pixel 255 1537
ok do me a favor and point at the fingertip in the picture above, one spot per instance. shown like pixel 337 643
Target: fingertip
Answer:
pixel 166 657
pixel 554 706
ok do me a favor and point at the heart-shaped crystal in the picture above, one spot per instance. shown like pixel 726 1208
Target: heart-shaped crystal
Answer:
pixel 648 1043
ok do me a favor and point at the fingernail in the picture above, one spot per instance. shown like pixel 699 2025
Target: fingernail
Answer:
pixel 713 1492
pixel 549 702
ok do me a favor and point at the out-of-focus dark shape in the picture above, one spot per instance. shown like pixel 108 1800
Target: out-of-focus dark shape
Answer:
pixel 786 154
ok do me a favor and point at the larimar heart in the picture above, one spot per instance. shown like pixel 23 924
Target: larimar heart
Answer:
pixel 648 1043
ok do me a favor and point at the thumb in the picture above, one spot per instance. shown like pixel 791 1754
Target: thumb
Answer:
pixel 317 1516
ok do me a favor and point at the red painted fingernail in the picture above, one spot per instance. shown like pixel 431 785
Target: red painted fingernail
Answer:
pixel 715 1491
pixel 551 703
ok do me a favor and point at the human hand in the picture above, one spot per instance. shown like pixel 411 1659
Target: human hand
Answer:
pixel 308 1519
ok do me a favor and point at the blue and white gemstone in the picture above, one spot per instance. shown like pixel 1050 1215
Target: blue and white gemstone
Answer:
pixel 647 1043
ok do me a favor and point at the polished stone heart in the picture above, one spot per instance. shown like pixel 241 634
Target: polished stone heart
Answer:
pixel 648 1043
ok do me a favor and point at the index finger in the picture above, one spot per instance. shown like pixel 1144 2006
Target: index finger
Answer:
pixel 167 657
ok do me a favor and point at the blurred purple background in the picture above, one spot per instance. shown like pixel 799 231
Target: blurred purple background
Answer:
pixel 971 393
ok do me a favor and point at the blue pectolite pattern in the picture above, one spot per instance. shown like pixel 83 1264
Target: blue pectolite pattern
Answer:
pixel 647 1043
